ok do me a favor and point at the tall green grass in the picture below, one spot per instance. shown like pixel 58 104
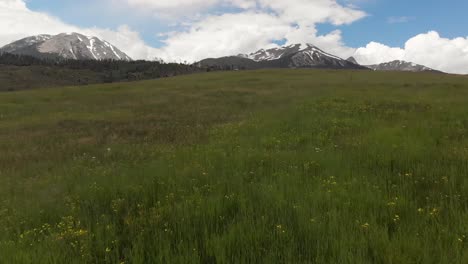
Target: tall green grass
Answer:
pixel 284 166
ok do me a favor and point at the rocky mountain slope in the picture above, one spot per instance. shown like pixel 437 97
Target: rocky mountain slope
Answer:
pixel 292 56
pixel 353 60
pixel 66 46
pixel 399 65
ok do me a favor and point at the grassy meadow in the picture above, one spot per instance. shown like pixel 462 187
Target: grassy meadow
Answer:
pixel 270 166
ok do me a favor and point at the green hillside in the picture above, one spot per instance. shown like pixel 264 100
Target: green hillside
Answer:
pixel 270 166
pixel 14 78
pixel 22 72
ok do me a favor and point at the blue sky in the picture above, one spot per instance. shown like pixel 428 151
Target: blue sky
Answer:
pixel 91 13
pixel 390 22
pixel 448 17
pixel 432 33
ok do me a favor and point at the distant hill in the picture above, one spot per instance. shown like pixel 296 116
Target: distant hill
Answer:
pixel 20 72
pixel 396 65
pixel 399 65
pixel 66 46
pixel 292 56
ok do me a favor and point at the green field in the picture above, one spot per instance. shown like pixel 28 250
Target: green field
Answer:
pixel 271 166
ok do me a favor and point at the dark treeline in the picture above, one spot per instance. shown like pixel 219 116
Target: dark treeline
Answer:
pixel 106 71
pixel 22 60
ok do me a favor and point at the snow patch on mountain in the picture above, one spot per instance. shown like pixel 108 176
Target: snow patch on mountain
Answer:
pixel 279 52
pixel 66 45
pixel 399 65
pixel 291 56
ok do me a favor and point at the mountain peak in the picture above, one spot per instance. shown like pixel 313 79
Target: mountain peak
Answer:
pixel 400 65
pixel 352 60
pixel 303 55
pixel 67 46
pixel 279 52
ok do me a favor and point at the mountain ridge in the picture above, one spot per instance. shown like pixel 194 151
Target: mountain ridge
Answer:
pixel 400 65
pixel 291 56
pixel 74 46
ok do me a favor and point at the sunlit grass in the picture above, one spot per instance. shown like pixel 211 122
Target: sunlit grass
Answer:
pixel 284 166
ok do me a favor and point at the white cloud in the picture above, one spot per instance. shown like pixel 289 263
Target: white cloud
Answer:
pixel 127 40
pixel 17 21
pixel 375 53
pixel 223 35
pixel 293 11
pixel 429 49
pixel 171 8
pixel 258 26
pixel 313 11
pixel 245 4
pixel 331 42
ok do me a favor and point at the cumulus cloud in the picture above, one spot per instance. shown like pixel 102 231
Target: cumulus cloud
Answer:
pixel 313 11
pixel 225 34
pixel 293 11
pixel 18 21
pixel 171 8
pixel 429 49
pixel 375 53
pixel 251 25
pixel 259 25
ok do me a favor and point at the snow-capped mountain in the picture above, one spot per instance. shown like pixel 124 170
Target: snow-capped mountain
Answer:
pixel 399 65
pixel 272 54
pixel 292 56
pixel 353 60
pixel 67 46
